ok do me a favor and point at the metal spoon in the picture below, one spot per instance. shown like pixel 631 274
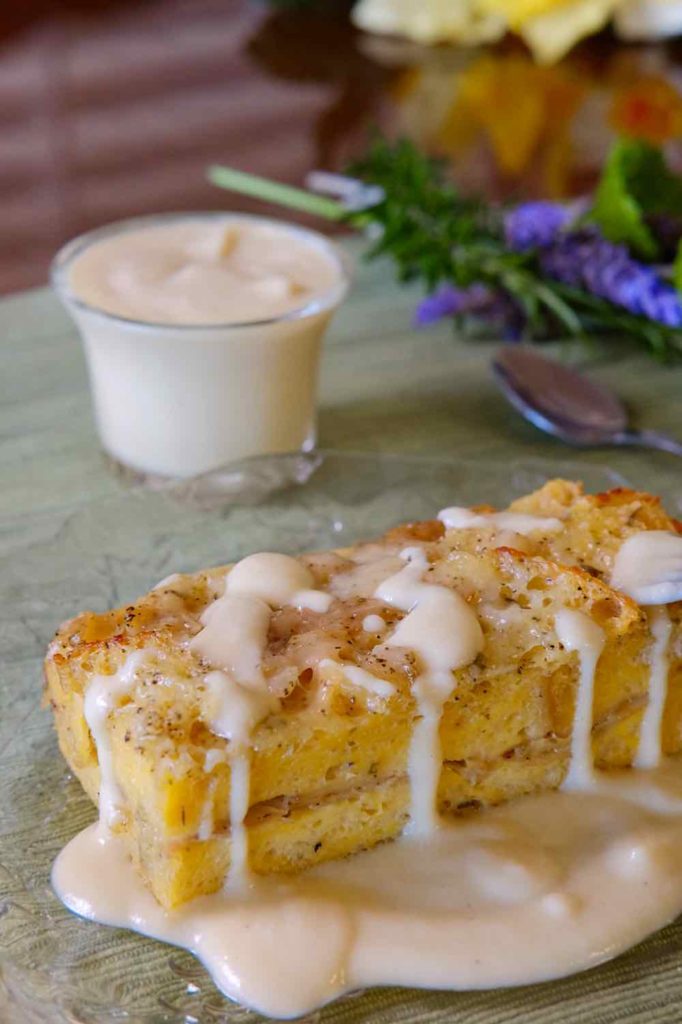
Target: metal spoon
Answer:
pixel 569 405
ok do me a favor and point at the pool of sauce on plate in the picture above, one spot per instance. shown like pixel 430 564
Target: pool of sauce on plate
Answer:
pixel 545 886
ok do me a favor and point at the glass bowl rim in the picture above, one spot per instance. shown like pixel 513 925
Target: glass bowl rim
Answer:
pixel 327 300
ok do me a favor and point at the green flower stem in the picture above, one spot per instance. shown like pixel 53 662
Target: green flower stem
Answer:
pixel 276 192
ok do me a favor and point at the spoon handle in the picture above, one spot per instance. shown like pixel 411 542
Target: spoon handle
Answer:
pixel 650 439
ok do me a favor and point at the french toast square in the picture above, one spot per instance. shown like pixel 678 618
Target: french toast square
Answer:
pixel 329 763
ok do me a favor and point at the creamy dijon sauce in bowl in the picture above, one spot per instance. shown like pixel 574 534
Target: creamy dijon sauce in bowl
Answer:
pixel 536 889
pixel 202 334
pixel 227 270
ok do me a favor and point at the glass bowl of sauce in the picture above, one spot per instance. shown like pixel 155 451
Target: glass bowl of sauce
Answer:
pixel 202 334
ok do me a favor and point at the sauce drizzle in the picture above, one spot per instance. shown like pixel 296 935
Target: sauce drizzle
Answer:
pixel 577 632
pixel 545 886
pixel 445 633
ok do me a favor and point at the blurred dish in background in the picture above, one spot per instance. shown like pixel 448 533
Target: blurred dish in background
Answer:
pixel 648 19
pixel 550 28
pixel 114 109
pixel 511 128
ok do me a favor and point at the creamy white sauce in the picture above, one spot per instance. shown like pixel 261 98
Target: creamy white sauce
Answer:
pixel 648 567
pixel 458 518
pixel 212 353
pixel 649 747
pixel 577 632
pixel 235 708
pixel 102 696
pixel 278 580
pixel 238 698
pixel 198 271
pixel 360 677
pixel 236 624
pixel 373 624
pixel 444 632
pixel 212 759
pixel 206 823
pixel 536 889
pixel 168 581
pixel 240 792
pixel 542 887
pixel 500 617
pixel 234 636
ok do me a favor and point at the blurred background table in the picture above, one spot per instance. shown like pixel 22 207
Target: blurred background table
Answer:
pixel 110 108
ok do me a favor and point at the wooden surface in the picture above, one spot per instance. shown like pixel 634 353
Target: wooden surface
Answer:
pixel 110 108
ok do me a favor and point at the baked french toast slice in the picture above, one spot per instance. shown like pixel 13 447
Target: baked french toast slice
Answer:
pixel 329 765
pixel 594 527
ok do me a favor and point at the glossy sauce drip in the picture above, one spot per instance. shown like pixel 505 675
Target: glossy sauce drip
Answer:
pixel 542 887
pixel 444 632
pixel 373 685
pixel 278 580
pixel 234 637
pixel 205 830
pixel 373 624
pixel 648 567
pixel 103 696
pixel 235 711
pixel 577 632
pixel 649 751
pixel 459 518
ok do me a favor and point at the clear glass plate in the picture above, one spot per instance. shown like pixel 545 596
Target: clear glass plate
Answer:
pixel 55 967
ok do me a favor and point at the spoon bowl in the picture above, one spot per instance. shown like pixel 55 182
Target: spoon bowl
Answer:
pixel 569 405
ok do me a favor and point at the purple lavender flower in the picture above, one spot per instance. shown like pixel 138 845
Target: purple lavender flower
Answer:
pixel 534 225
pixel 489 305
pixel 447 301
pixel 585 259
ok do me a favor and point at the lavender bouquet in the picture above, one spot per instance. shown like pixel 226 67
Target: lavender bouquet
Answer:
pixel 608 265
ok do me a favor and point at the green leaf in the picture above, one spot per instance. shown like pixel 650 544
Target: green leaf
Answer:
pixel 636 181
pixel 621 219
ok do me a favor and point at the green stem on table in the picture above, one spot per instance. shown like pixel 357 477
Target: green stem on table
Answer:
pixel 276 192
